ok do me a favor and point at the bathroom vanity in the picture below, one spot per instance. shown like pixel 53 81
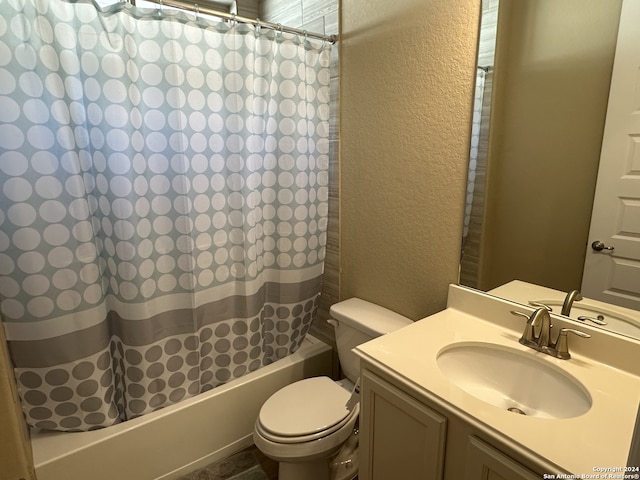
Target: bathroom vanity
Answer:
pixel 457 396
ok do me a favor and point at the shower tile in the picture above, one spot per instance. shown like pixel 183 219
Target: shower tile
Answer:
pixel 315 25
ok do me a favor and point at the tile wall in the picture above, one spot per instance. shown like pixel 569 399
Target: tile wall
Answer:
pixel 248 8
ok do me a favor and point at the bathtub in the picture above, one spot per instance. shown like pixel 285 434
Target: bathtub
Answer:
pixel 176 440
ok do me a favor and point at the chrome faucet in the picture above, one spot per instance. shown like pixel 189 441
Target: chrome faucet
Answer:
pixel 537 334
pixel 572 296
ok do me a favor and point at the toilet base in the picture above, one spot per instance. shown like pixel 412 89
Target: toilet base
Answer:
pixel 312 470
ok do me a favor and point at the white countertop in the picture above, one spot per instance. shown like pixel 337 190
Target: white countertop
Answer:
pixel 599 438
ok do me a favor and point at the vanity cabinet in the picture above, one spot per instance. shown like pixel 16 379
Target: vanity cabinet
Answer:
pixel 405 436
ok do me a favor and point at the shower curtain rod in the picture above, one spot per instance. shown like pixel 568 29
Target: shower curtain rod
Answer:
pixel 194 7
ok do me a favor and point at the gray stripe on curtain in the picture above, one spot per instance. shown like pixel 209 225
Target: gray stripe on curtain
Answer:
pixel 80 344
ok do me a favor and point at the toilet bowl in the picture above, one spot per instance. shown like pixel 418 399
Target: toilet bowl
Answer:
pixel 305 423
pixel 315 427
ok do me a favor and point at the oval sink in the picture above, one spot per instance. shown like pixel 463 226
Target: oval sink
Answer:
pixel 513 380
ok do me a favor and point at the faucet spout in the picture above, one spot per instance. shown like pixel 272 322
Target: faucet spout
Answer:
pixel 572 296
pixel 537 332
pixel 541 322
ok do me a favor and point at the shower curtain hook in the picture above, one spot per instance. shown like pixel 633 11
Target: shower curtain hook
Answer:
pixel 305 36
pixel 279 30
pixel 197 9
pixel 160 6
pixel 258 26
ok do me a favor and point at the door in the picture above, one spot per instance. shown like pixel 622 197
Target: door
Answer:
pixel 612 264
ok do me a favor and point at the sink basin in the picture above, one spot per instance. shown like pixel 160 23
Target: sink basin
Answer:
pixel 616 322
pixel 513 380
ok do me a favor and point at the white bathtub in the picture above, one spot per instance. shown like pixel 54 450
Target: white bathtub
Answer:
pixel 171 442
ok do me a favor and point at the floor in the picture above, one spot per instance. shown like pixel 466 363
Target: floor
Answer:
pixel 249 464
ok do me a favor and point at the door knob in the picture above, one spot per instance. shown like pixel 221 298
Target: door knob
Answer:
pixel 598 246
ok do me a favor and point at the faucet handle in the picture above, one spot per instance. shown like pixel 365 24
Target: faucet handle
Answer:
pixel 540 305
pixel 599 320
pixel 561 348
pixel 528 337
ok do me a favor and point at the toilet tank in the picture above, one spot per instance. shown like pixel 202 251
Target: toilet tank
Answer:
pixel 357 321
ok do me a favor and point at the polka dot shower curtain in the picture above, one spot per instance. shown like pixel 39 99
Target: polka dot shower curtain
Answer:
pixel 163 202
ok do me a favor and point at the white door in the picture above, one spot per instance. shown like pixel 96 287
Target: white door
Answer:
pixel 612 274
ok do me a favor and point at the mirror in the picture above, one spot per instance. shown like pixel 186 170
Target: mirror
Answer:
pixel 542 90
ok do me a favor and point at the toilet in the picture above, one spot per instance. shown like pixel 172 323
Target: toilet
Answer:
pixel 303 424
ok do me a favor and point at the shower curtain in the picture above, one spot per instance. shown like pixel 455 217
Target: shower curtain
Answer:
pixel 163 204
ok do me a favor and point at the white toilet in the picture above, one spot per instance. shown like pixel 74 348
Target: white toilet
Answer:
pixel 303 424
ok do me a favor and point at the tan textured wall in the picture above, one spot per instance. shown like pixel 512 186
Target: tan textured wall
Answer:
pixel 551 84
pixel 407 73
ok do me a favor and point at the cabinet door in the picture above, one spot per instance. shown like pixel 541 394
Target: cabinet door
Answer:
pixel 486 463
pixel 399 437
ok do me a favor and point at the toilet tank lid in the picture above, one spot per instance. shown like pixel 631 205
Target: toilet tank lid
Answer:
pixel 368 317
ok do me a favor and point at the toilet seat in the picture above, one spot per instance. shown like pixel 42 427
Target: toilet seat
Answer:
pixel 305 451
pixel 304 411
